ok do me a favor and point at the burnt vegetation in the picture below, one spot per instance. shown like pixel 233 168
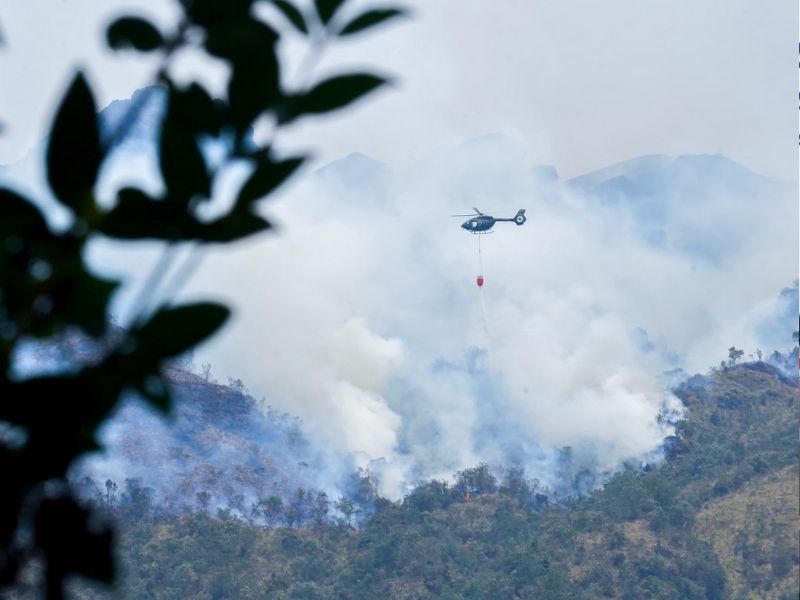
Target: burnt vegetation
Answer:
pixel 716 519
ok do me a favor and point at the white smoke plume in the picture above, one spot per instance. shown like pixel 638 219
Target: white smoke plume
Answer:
pixel 361 314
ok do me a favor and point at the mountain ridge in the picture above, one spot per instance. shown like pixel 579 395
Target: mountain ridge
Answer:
pixel 717 520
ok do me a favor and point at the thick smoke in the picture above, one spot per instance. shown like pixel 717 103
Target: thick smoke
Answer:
pixel 362 317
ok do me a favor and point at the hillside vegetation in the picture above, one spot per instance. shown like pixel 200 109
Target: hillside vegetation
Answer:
pixel 718 519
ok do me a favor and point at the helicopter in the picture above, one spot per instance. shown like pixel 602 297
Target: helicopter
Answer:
pixel 481 223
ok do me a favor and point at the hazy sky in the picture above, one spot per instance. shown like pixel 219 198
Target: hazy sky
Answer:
pixel 584 83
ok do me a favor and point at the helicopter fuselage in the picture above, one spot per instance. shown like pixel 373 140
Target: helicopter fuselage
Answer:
pixel 482 223
pixel 479 224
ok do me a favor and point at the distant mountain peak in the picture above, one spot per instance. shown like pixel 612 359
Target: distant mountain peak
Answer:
pixel 629 168
pixel 144 127
pixel 354 160
pixel 708 165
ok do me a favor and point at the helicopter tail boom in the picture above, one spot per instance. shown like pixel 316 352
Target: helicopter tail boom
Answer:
pixel 519 218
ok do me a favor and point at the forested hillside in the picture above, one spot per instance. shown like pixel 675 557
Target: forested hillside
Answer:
pixel 717 519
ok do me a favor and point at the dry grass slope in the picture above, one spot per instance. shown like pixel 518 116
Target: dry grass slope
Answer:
pixel 751 530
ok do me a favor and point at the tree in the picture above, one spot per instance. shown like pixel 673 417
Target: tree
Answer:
pixel 734 355
pixel 345 506
pixel 111 493
pixel 138 501
pixel 319 508
pixel 429 496
pixel 515 485
pixel 47 289
pixel 475 481
pixel 299 508
pixel 237 385
pixel 363 491
pixel 203 500
pixel 272 509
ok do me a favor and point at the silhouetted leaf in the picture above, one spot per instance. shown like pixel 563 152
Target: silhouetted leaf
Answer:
pixel 234 226
pixel 172 331
pixel 332 94
pixel 41 272
pixel 25 241
pixel 73 154
pixel 197 109
pixel 70 427
pixel 252 89
pixel 292 14
pixel 245 40
pixel 326 9
pixel 11 501
pixel 138 216
pixel 267 175
pixel 47 288
pixel 155 389
pixel 83 298
pixel 134 32
pixel 253 86
pixel 182 164
pixel 370 19
pixel 70 544
pixel 211 13
pixel 18 215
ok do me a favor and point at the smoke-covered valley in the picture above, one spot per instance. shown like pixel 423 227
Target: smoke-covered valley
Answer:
pixel 361 316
